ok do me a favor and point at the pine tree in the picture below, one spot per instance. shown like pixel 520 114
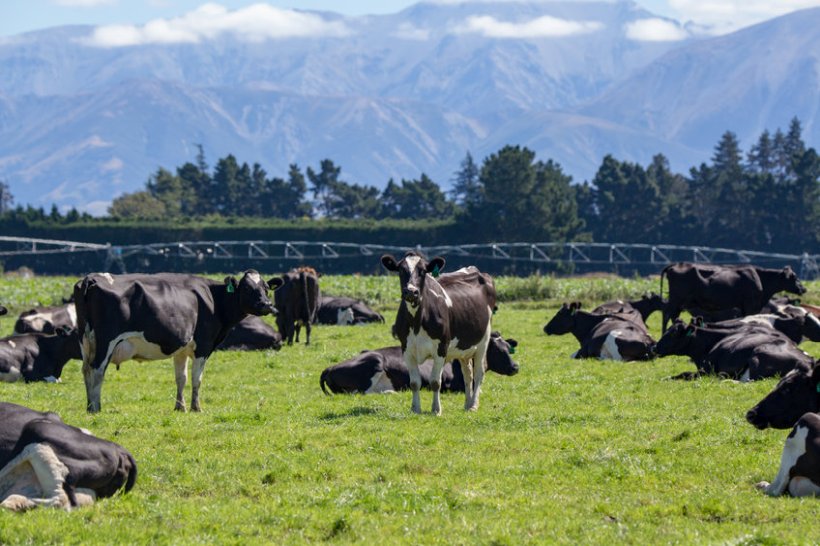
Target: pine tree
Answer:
pixel 466 187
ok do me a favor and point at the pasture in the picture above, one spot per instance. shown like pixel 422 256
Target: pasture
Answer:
pixel 566 452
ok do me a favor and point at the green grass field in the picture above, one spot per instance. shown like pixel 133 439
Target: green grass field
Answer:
pixel 567 451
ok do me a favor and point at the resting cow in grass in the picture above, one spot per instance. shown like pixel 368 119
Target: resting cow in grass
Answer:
pixel 648 304
pixel 46 320
pixel 342 311
pixel 715 288
pixel 45 462
pixel 604 336
pixel 747 355
pixel 384 370
pixel 445 318
pixel 297 302
pixel 38 357
pixel 795 394
pixel 799 472
pixel 794 327
pixel 154 317
pixel 252 334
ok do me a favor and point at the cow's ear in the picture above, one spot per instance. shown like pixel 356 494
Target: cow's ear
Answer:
pixel 276 282
pixel 389 263
pixel 435 266
pixel 512 342
pixel 231 283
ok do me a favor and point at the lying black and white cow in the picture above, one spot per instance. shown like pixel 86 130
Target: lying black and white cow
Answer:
pixel 799 472
pixel 795 394
pixel 342 311
pixel 252 334
pixel 795 326
pixel 46 320
pixel 752 353
pixel 45 462
pixel 648 304
pixel 445 318
pixel 154 317
pixel 38 357
pixel 384 370
pixel 604 336
pixel 716 288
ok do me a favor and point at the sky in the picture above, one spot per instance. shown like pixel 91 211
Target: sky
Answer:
pixel 17 16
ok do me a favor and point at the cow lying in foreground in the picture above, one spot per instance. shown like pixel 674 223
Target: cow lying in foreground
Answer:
pixel 38 357
pixel 252 334
pixel 46 320
pixel 445 318
pixel 716 288
pixel 604 336
pixel 154 317
pixel 799 472
pixel 44 462
pixel 748 354
pixel 384 370
pixel 342 311
pixel 795 394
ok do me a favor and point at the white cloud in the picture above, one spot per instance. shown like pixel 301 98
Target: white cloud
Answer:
pixel 254 23
pixel 655 30
pixel 542 27
pixel 727 15
pixel 113 164
pixel 83 3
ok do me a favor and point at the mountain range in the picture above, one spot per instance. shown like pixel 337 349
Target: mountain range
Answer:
pixel 394 96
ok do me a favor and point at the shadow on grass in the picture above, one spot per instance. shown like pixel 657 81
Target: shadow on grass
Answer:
pixel 352 412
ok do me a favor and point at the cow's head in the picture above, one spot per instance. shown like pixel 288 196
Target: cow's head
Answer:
pixel 676 339
pixel 811 327
pixel 499 355
pixel 251 291
pixel 793 396
pixel 564 319
pixel 791 283
pixel 61 347
pixel 413 270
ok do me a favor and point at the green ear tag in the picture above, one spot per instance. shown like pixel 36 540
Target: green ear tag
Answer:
pixel 690 333
pixel 818 387
pixel 230 288
pixel 436 271
pixel 512 350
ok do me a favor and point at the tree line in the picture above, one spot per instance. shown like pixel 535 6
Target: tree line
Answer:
pixel 765 199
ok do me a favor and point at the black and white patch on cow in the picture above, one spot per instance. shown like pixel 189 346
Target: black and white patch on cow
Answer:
pixel 38 357
pixel 443 318
pixel 795 394
pixel 252 334
pixel 46 320
pixel 154 317
pixel 45 462
pixel 799 472
pixel 341 311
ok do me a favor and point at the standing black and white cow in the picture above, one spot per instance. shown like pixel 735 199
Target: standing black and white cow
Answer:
pixel 605 336
pixel 38 357
pixel 342 311
pixel 716 288
pixel 798 392
pixel 46 320
pixel 154 317
pixel 252 334
pixel 297 302
pixel 748 354
pixel 799 472
pixel 445 318
pixel 384 370
pixel 45 462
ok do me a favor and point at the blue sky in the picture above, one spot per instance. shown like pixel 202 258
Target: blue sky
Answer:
pixel 18 16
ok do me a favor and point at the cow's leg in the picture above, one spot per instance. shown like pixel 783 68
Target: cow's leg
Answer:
pixel 196 379
pixel 415 382
pixel 670 312
pixel 801 486
pixel 307 332
pixel 298 328
pixel 467 366
pixel 435 383
pixel 479 365
pixel 794 447
pixel 181 370
pixel 93 385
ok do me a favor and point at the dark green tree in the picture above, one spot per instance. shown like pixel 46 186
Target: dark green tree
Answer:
pixel 322 185
pixel 466 187
pixel 414 199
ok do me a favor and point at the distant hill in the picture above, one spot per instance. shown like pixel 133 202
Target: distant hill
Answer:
pixel 395 96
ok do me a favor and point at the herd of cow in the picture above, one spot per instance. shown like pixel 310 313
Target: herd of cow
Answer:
pixel 444 326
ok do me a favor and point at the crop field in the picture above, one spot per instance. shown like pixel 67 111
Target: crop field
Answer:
pixel 566 452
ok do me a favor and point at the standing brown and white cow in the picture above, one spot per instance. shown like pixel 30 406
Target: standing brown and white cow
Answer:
pixel 443 318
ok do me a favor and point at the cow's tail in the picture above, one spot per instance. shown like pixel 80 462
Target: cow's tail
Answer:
pixel 306 297
pixel 81 289
pixel 132 475
pixel 323 382
pixel 663 274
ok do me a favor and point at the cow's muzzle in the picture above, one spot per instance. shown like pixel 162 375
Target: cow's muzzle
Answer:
pixel 756 420
pixel 410 294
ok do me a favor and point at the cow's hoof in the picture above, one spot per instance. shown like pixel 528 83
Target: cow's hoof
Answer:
pixel 472 408
pixel 179 407
pixel 417 411
pixel 196 408
pixel 762 485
